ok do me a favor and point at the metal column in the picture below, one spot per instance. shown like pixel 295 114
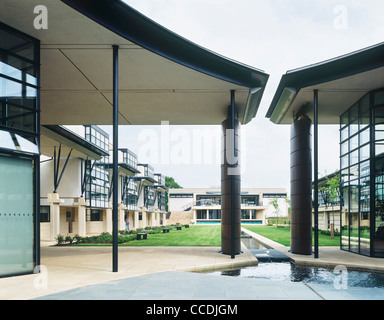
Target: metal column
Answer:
pixel 232 112
pixel 316 172
pixel 115 156
pixel 230 185
pixel 301 186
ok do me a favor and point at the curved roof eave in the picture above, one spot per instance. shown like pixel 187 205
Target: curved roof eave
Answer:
pixel 130 24
pixel 324 72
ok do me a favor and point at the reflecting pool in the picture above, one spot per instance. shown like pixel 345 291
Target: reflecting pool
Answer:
pixel 275 267
pixel 288 271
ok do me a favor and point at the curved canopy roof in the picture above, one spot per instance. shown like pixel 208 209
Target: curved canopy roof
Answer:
pixel 341 83
pixel 162 76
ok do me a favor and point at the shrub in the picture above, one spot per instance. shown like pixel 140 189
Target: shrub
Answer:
pixel 60 240
pixel 77 238
pixel 69 239
pixel 105 237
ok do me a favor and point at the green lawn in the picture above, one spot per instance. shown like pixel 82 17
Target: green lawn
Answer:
pixel 208 236
pixel 283 235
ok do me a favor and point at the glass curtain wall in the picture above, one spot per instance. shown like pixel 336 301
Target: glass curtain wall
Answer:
pixel 161 200
pixel 362 175
pixel 149 198
pixel 19 152
pixel 98 187
pixel 129 193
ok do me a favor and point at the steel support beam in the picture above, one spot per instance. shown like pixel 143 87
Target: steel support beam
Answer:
pixel 115 157
pixel 56 168
pixel 232 117
pixel 316 172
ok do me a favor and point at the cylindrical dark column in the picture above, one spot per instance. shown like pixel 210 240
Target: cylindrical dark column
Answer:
pixel 115 175
pixel 230 189
pixel 301 186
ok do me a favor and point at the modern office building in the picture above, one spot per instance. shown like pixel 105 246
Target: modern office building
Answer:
pixel 347 91
pixel 70 182
pixel 76 189
pixel 60 65
pixel 206 204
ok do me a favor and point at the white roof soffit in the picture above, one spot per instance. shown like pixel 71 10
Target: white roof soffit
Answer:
pixel 49 139
pixel 76 69
pixel 340 82
pixel 335 97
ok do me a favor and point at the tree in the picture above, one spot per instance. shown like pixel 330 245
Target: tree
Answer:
pixel 330 193
pixel 288 201
pixel 276 211
pixel 172 184
pixel 333 195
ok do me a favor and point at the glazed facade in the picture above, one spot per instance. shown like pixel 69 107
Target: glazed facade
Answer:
pixel 19 151
pixel 362 176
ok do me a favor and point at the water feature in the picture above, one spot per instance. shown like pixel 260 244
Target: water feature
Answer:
pixel 273 266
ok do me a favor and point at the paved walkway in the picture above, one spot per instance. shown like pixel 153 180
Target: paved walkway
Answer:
pixel 169 273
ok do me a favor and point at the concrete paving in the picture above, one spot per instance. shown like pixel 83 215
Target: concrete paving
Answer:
pixel 170 273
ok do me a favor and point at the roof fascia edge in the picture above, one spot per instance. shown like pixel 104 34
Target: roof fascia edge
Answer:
pixel 338 68
pixel 283 104
pixel 252 105
pixel 137 28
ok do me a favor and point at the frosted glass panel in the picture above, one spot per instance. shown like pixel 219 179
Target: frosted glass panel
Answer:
pixel 16 216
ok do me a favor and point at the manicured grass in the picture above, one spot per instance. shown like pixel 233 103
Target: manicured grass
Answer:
pixel 283 235
pixel 208 236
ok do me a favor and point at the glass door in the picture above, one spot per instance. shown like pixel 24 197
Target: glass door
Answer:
pixel 16 215
pixel 378 243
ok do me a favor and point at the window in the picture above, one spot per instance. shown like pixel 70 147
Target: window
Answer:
pixel 215 214
pixel 181 195
pixel 19 118
pixel 251 200
pixel 245 214
pixel 45 214
pixel 18 85
pixel 95 215
pixel 129 193
pixel 358 211
pixel 272 195
pixel 208 200
pixel 97 188
pixel 201 214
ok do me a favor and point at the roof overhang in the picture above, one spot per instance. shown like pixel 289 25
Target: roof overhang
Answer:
pixel 163 77
pixel 146 181
pixel 124 169
pixel 161 187
pixel 54 136
pixel 341 82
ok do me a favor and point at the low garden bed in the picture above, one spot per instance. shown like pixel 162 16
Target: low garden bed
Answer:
pixel 106 238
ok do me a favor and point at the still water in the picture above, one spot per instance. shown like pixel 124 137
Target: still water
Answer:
pixel 288 271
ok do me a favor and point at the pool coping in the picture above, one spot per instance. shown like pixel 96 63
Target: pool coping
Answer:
pixel 328 256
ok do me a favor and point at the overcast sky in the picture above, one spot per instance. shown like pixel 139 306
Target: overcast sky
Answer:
pixel 274 36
